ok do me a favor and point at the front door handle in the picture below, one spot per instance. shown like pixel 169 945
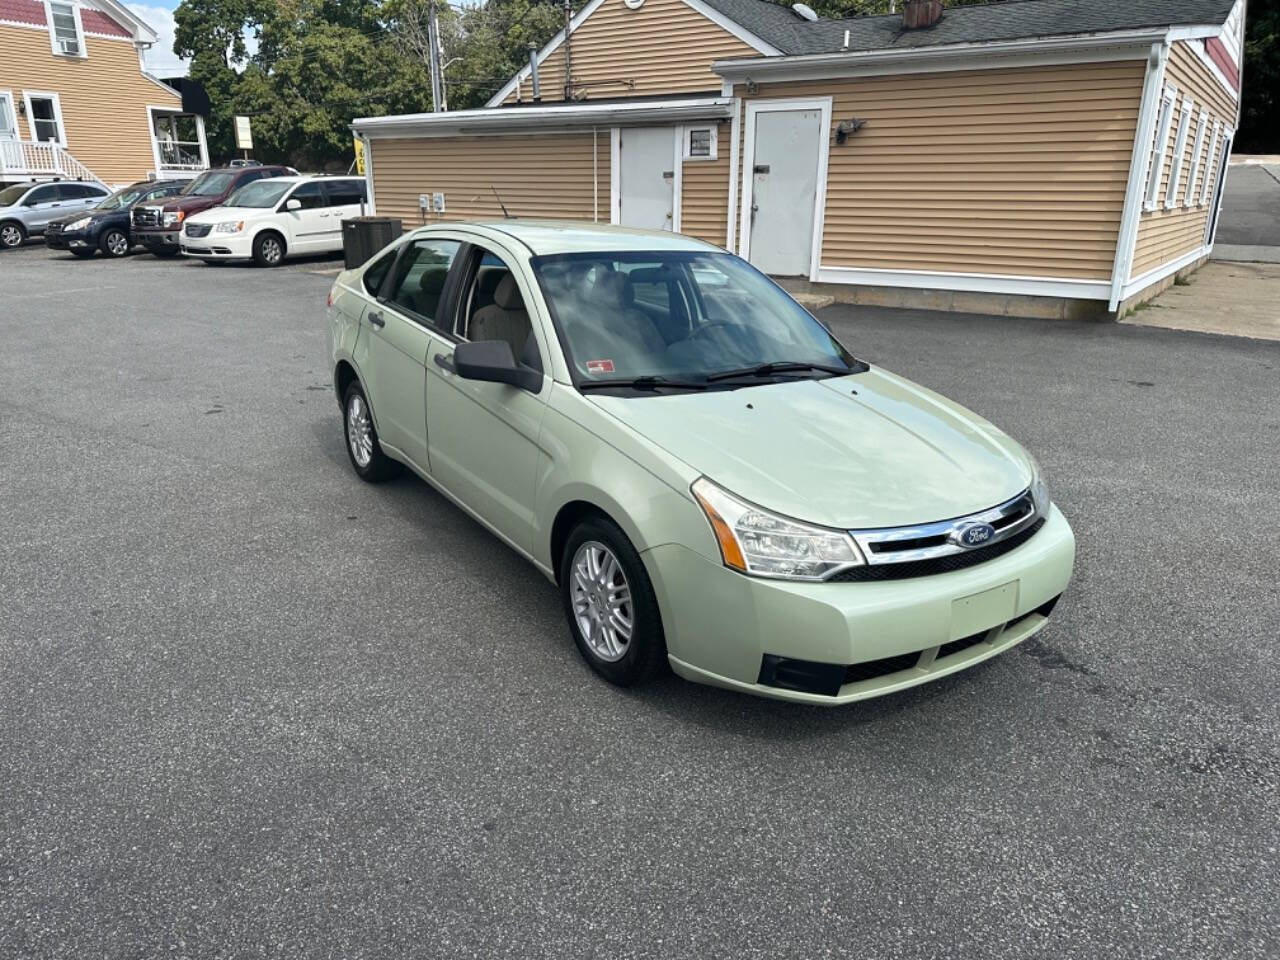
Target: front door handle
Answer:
pixel 375 318
pixel 445 363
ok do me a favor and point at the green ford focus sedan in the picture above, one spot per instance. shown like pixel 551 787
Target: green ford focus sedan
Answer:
pixel 711 479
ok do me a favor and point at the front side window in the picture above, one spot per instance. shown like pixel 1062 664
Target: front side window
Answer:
pixel 683 316
pixel 46 194
pixel 65 30
pixel 420 276
pixel 310 195
pixel 374 276
pixel 492 308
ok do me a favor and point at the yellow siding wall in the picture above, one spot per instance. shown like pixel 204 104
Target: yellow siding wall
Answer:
pixel 663 47
pixel 704 194
pixel 1015 171
pixel 104 99
pixel 548 175
pixel 1165 235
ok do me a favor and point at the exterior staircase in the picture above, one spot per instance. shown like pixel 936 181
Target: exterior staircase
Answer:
pixel 25 159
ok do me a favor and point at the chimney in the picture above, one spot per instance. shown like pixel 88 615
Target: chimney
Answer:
pixel 920 13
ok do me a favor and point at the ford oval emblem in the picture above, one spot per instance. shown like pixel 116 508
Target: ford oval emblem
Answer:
pixel 974 535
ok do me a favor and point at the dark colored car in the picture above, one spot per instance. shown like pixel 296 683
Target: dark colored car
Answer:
pixel 107 227
pixel 158 226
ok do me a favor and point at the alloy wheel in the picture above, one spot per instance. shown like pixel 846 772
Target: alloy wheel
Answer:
pixel 271 251
pixel 117 244
pixel 601 599
pixel 10 236
pixel 359 431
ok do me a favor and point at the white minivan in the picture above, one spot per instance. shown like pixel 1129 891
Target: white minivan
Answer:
pixel 268 220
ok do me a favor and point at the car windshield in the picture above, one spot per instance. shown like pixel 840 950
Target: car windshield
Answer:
pixel 260 193
pixel 208 184
pixel 123 198
pixel 11 195
pixel 686 319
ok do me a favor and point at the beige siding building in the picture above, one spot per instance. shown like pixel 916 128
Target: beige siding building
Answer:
pixel 1064 157
pixel 75 101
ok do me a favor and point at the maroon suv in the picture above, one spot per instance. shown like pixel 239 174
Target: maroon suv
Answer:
pixel 157 225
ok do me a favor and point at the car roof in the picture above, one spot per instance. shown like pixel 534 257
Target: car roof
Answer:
pixel 549 237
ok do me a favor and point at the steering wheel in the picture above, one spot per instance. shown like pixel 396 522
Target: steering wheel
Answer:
pixel 706 328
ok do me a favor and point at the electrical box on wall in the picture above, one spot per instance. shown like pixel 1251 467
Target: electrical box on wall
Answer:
pixel 424 202
pixel 437 202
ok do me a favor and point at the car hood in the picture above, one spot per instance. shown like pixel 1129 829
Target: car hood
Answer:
pixel 218 214
pixel 870 450
pixel 73 217
pixel 185 203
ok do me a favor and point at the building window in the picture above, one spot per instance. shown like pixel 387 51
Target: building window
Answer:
pixel 1209 163
pixel 64 29
pixel 44 115
pixel 699 143
pixel 1179 154
pixel 1197 165
pixel 1159 147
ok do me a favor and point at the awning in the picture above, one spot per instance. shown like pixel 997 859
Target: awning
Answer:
pixel 552 117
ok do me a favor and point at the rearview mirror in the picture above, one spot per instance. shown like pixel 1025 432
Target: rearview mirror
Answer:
pixel 492 361
pixel 292 204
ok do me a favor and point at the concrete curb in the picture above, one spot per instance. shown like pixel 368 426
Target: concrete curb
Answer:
pixel 1244 253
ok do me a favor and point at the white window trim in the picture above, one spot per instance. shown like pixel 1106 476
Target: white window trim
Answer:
pixel 688 157
pixel 1179 151
pixel 1160 146
pixel 152 110
pixel 1210 168
pixel 754 108
pixel 57 114
pixel 1196 157
pixel 6 94
pixel 53 34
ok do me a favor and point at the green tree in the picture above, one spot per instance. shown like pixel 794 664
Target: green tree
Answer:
pixel 1260 98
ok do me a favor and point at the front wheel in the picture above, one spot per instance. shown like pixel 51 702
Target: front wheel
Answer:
pixel 114 243
pixel 268 249
pixel 12 234
pixel 370 463
pixel 609 601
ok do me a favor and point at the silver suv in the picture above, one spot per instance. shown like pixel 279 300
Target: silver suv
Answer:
pixel 26 208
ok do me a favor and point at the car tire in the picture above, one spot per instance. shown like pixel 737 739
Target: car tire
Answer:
pixel 164 253
pixel 268 249
pixel 83 254
pixel 114 243
pixel 12 234
pixel 598 567
pixel 363 449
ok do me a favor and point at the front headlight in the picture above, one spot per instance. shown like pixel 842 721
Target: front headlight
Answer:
pixel 230 226
pixel 1039 489
pixel 79 224
pixel 174 216
pixel 763 544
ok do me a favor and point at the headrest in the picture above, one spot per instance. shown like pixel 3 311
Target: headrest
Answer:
pixel 507 296
pixel 432 279
pixel 613 289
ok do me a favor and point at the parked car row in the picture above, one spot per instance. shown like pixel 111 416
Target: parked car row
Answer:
pixel 258 213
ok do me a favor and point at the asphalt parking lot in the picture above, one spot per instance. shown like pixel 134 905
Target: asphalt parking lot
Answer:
pixel 250 706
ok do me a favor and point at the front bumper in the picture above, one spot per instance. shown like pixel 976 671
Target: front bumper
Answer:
pixel 226 246
pixel 158 239
pixel 730 630
pixel 70 239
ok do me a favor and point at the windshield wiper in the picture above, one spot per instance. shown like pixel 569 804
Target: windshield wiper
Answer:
pixel 642 383
pixel 780 366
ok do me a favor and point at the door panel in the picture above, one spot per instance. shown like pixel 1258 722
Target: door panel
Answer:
pixel 307 227
pixel 784 184
pixel 47 205
pixel 646 177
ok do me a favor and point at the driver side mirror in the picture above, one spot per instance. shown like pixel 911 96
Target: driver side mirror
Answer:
pixel 492 361
pixel 293 204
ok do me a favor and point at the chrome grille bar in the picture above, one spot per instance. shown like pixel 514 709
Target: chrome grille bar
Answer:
pixel 930 541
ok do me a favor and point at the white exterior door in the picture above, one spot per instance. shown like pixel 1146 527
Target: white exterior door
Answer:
pixel 647 172
pixel 784 172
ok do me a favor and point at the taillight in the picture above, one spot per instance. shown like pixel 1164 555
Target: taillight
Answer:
pixel 328 301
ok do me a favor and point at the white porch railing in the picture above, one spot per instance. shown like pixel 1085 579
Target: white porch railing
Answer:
pixel 26 158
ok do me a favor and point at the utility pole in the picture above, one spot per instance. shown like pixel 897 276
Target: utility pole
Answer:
pixel 437 80
pixel 568 53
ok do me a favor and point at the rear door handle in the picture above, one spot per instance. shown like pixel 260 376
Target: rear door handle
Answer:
pixel 445 363
pixel 375 318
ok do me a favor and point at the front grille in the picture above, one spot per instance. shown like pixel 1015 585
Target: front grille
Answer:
pixel 959 646
pixel 945 564
pixel 146 217
pixel 198 229
pixel 52 230
pixel 874 669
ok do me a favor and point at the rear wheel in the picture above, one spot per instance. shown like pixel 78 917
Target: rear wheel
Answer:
pixel 114 243
pixel 268 249
pixel 370 463
pixel 12 234
pixel 610 604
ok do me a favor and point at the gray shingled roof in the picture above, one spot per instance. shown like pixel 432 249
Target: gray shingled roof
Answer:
pixel 1008 20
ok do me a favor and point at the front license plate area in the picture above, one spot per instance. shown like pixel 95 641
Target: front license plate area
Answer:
pixel 980 612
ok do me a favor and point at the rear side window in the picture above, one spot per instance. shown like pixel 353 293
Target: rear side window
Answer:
pixel 420 275
pixel 374 276
pixel 343 193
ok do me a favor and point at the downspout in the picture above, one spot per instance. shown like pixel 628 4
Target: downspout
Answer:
pixel 568 52
pixel 1138 170
pixel 595 174
pixel 533 73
